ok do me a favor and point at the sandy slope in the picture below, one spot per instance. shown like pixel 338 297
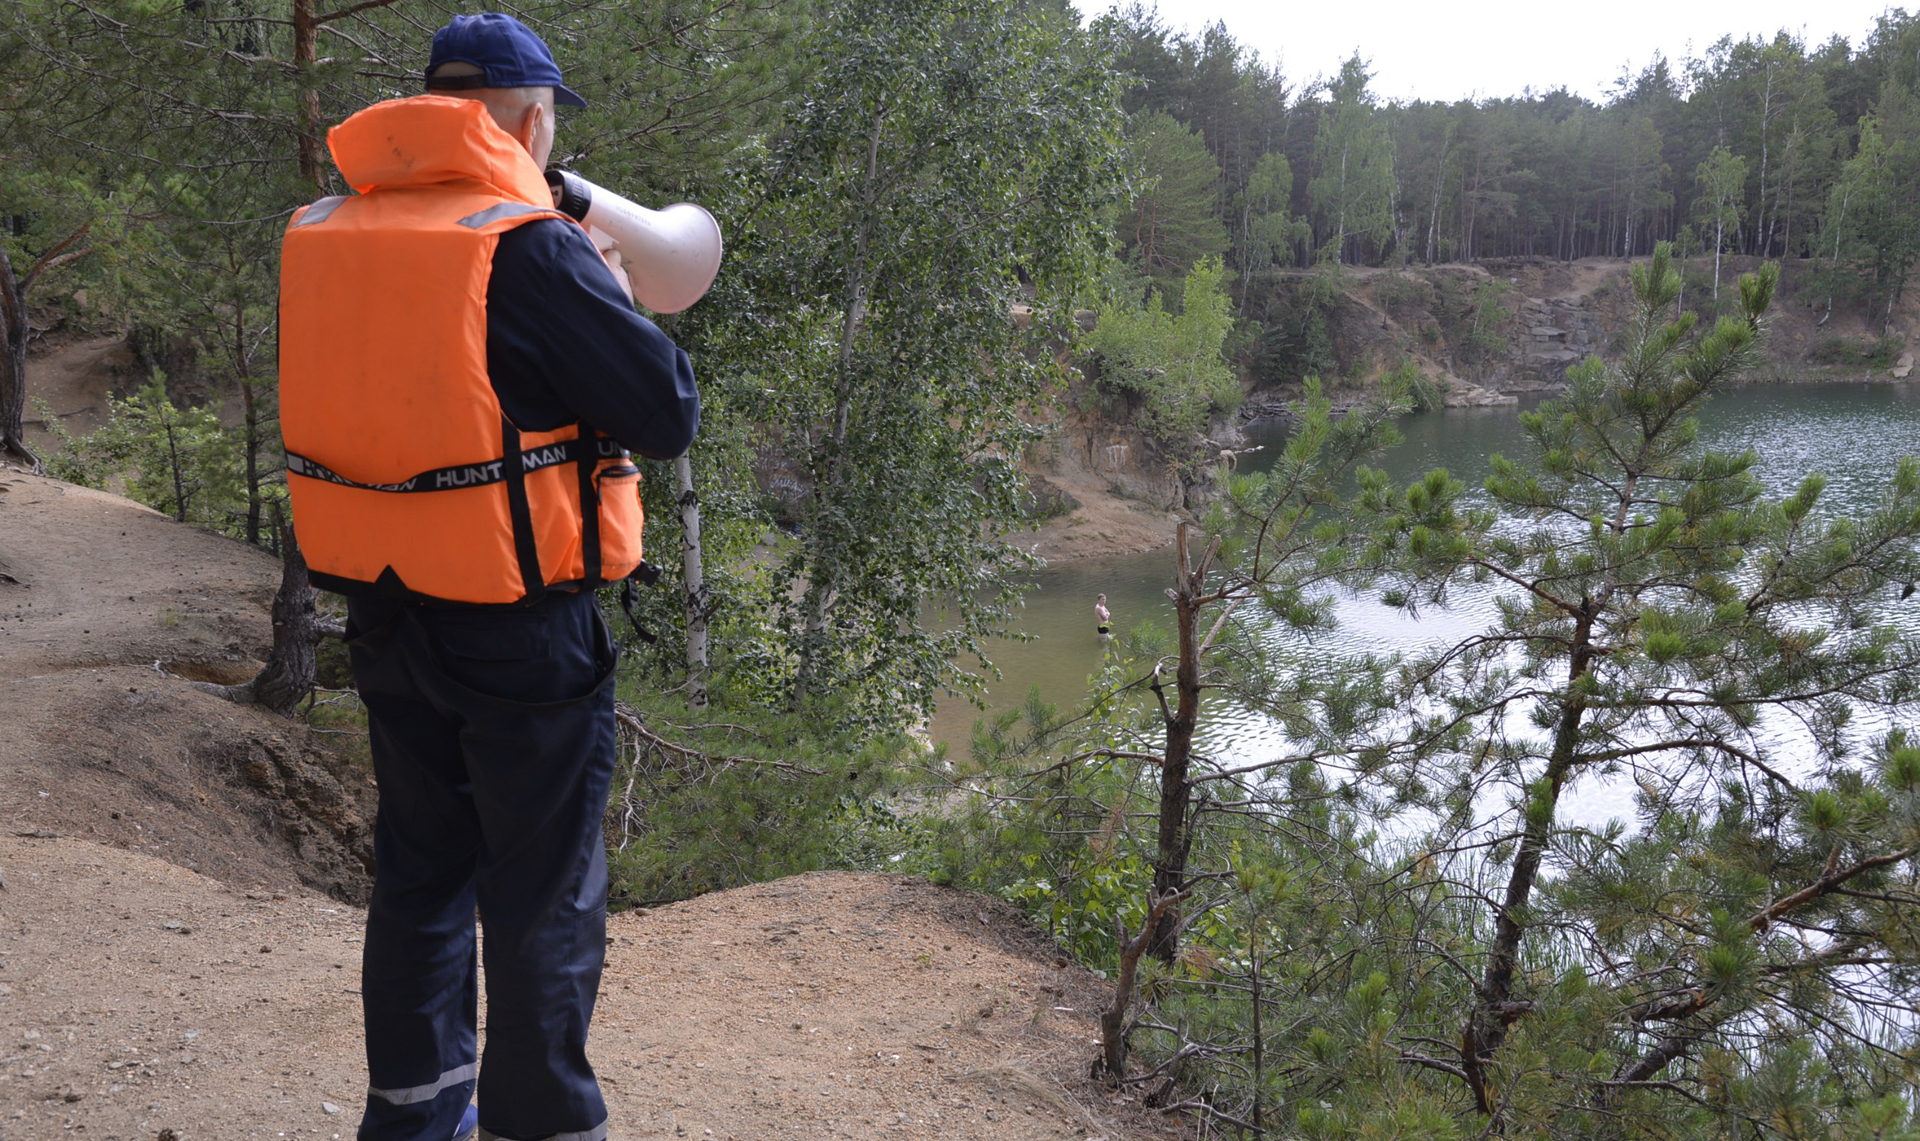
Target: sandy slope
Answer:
pixel 108 614
pixel 162 966
pixel 137 997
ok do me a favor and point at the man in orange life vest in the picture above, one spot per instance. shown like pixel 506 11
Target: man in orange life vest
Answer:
pixel 462 378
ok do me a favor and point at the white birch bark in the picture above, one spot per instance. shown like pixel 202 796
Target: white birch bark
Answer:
pixel 696 583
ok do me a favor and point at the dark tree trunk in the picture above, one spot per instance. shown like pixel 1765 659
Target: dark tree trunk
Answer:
pixel 13 341
pixel 1176 789
pixel 292 663
pixel 311 143
pixel 13 366
pixel 1112 1062
pixel 1494 1008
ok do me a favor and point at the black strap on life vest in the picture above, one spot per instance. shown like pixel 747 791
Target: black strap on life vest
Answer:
pixel 464 475
pixel 526 548
pixel 589 513
pixel 629 599
pixel 520 510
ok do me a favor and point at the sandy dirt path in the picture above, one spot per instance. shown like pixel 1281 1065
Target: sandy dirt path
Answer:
pixel 138 998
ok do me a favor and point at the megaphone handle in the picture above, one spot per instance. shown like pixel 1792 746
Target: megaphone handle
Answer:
pixel 603 242
pixel 614 261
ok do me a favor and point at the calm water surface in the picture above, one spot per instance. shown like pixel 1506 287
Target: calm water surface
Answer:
pixel 1852 433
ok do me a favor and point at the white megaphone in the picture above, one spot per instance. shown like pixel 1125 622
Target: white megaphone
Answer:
pixel 671 255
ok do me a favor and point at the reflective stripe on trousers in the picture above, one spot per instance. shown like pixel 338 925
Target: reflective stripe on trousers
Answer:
pixel 415 1094
pixel 599 1133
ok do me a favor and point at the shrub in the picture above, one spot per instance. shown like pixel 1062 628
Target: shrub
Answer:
pixel 1851 352
pixel 1399 294
pixel 1172 366
pixel 179 461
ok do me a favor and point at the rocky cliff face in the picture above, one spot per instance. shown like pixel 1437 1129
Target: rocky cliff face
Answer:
pixel 1555 333
pixel 1488 331
pixel 1128 461
pixel 1481 334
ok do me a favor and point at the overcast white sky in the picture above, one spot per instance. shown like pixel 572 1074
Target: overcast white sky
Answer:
pixel 1450 49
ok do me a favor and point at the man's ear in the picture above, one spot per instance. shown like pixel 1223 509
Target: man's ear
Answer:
pixel 529 128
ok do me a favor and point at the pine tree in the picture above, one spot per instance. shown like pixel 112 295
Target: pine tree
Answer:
pixel 1170 225
pixel 1662 620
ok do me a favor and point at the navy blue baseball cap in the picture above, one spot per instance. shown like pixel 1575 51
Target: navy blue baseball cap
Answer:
pixel 506 51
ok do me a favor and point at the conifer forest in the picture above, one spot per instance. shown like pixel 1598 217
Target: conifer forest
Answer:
pixel 952 226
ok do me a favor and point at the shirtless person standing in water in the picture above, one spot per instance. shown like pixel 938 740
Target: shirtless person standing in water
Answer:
pixel 1104 617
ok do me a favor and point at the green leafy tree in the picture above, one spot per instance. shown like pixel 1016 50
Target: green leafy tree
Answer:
pixel 1720 971
pixel 203 129
pixel 1272 229
pixel 1644 178
pixel 1171 365
pixel 1352 187
pixel 1873 219
pixel 1721 179
pixel 1214 85
pixel 1484 164
pixel 1120 819
pixel 1810 139
pixel 1739 965
pixel 179 461
pixel 940 154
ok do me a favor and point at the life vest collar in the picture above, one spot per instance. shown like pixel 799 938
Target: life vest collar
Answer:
pixel 428 140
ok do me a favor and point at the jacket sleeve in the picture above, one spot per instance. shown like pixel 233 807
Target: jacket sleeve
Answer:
pixel 565 344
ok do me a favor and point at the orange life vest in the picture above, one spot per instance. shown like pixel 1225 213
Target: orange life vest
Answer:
pixel 406 477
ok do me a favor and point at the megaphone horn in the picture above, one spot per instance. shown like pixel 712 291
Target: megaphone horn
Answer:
pixel 671 255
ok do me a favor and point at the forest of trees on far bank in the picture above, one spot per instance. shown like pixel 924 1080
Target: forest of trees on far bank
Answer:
pixel 1767 146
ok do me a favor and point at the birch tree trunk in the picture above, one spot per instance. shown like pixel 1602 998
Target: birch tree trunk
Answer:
pixel 696 583
pixel 1846 192
pixel 822 575
pixel 1340 229
pixel 1763 233
pixel 1433 224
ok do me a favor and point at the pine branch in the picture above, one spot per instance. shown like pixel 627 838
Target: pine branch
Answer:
pixel 349 10
pixel 58 255
pixel 1825 885
pixel 1430 1063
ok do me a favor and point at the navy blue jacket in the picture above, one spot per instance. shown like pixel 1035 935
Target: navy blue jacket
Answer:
pixel 565 344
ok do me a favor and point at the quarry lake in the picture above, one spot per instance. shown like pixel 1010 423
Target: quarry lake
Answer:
pixel 1852 432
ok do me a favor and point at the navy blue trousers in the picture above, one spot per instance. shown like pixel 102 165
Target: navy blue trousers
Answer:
pixel 493 747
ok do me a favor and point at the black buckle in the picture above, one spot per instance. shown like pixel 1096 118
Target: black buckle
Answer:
pixel 630 598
